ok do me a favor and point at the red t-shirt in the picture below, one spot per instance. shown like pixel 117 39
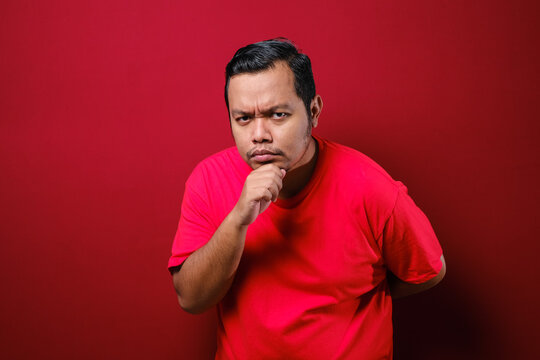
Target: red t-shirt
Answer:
pixel 312 280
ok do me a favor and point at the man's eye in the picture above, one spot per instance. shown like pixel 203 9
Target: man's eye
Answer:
pixel 279 115
pixel 242 119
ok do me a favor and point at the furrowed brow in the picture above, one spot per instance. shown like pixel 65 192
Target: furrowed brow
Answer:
pixel 272 109
pixel 281 107
pixel 235 113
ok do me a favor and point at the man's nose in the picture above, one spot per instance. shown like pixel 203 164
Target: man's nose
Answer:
pixel 261 132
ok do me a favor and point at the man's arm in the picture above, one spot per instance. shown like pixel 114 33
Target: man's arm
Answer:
pixel 207 274
pixel 399 288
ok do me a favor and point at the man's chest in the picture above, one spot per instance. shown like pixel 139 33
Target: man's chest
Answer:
pixel 328 251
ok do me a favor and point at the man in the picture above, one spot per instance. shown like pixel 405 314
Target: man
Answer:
pixel 301 242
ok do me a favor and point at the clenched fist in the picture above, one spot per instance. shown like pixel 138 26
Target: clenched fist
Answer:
pixel 261 187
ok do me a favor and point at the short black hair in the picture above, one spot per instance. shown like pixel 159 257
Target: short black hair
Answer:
pixel 263 55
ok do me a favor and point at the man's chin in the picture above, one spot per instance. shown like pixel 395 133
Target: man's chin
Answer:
pixel 257 164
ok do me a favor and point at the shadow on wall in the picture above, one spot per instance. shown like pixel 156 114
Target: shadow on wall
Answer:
pixel 444 324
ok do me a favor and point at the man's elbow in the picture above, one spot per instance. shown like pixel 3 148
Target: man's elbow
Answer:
pixel 187 303
pixel 186 306
pixel 190 306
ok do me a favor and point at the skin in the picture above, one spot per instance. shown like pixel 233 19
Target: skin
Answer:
pixel 272 132
pixel 267 114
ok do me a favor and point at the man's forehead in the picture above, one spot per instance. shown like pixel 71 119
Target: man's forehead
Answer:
pixel 239 110
pixel 264 89
pixel 279 75
pixel 263 103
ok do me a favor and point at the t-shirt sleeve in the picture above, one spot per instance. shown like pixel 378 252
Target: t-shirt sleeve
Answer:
pixel 195 227
pixel 411 250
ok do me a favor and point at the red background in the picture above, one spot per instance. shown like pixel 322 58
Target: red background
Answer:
pixel 106 106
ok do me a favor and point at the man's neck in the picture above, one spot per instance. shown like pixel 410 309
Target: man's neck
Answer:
pixel 297 179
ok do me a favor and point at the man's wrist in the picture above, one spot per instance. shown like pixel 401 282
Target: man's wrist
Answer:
pixel 234 219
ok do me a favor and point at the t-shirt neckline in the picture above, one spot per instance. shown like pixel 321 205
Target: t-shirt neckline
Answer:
pixel 315 177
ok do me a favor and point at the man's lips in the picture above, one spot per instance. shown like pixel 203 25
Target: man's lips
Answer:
pixel 263 155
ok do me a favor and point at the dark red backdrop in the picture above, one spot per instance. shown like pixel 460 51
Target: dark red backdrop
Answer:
pixel 106 106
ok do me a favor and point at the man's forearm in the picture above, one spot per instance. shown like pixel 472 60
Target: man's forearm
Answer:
pixel 207 274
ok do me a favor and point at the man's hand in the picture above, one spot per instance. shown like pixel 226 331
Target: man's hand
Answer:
pixel 261 187
pixel 207 274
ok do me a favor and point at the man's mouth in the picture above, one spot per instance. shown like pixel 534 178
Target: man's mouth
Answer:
pixel 264 158
pixel 263 155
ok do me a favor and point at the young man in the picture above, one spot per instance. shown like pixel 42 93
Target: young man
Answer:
pixel 301 242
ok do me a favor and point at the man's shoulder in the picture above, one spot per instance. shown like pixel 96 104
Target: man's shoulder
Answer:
pixel 362 181
pixel 355 164
pixel 225 157
pixel 218 165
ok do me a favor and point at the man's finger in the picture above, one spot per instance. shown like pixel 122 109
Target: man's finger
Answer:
pixel 274 189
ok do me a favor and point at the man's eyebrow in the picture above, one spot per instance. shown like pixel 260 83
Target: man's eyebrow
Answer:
pixel 236 112
pixel 239 112
pixel 278 107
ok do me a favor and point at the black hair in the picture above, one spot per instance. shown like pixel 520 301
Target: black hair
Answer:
pixel 263 55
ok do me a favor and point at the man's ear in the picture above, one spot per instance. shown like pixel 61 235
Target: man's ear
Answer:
pixel 316 108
